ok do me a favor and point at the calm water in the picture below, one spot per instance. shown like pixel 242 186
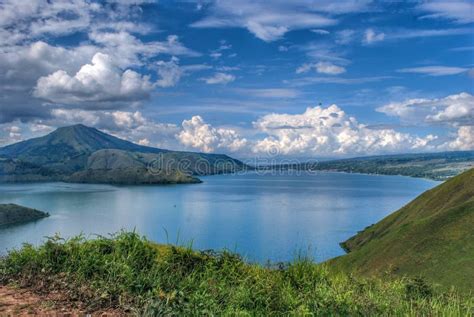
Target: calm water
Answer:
pixel 260 216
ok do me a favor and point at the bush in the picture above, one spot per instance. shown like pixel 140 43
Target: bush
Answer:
pixel 127 272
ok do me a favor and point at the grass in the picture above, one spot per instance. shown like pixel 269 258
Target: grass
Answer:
pixel 432 236
pixel 128 272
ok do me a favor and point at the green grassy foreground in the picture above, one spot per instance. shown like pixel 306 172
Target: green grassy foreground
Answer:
pixel 139 277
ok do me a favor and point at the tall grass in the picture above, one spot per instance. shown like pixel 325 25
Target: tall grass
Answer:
pixel 127 272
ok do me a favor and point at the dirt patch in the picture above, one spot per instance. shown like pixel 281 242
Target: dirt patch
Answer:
pixel 22 302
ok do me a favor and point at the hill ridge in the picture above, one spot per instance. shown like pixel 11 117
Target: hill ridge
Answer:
pixel 431 236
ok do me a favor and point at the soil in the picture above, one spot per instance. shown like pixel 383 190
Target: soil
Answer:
pixel 23 302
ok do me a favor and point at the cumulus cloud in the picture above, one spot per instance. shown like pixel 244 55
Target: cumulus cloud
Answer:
pixel 322 68
pixel 270 21
pixel 434 70
pixel 100 81
pixel 197 134
pixel 219 78
pixel 455 109
pixel 21 66
pixel 319 131
pixel 464 139
pixel 370 36
pixel 330 131
pixel 110 28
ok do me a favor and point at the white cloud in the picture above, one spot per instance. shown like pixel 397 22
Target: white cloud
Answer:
pixel 464 139
pixel 270 92
pixel 323 52
pixel 128 50
pixel 304 68
pixel 318 132
pixel 329 68
pixel 322 68
pixel 197 134
pixel 345 36
pixel 108 27
pixel 169 72
pixel 35 18
pixel 434 70
pixel 215 55
pixel 370 36
pixel 270 21
pixel 457 10
pixel 330 131
pixel 129 125
pixel 305 81
pixel 320 31
pixel 423 33
pixel 144 142
pixel 100 81
pixel 454 109
pixel 128 119
pixel 219 78
pixel 14 133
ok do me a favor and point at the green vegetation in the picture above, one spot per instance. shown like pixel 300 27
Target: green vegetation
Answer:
pixel 12 214
pixel 431 237
pixel 136 276
pixel 437 166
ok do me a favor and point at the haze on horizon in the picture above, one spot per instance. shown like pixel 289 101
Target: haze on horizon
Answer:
pixel 245 78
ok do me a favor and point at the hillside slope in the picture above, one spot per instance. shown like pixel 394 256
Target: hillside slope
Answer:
pixel 432 237
pixel 124 167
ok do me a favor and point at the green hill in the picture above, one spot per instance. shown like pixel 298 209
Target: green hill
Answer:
pixel 68 151
pixel 431 237
pixel 124 167
pixel 12 214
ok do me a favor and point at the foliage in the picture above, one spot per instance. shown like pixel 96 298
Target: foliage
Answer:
pixel 128 272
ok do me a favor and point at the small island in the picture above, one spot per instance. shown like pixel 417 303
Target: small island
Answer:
pixel 13 214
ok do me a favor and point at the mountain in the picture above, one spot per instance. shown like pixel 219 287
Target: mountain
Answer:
pixel 12 214
pixel 124 167
pixel 432 237
pixel 71 150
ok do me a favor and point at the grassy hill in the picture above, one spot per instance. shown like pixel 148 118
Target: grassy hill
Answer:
pixel 12 214
pixel 432 237
pixel 129 274
pixel 69 150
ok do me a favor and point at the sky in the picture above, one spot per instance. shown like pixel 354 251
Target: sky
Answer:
pixel 287 79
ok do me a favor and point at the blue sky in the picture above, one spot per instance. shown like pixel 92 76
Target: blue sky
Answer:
pixel 298 79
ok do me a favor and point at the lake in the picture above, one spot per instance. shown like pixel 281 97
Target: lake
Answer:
pixel 264 217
